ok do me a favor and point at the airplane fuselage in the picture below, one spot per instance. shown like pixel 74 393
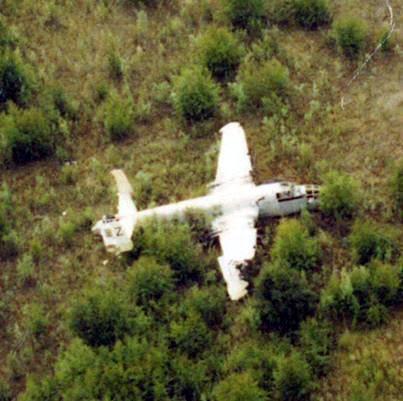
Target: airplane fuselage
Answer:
pixel 273 199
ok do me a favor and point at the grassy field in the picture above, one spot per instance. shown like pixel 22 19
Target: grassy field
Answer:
pixel 95 50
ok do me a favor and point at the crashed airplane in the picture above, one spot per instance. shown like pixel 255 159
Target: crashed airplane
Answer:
pixel 239 202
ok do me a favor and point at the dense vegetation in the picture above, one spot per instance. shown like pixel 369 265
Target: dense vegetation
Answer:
pixel 144 85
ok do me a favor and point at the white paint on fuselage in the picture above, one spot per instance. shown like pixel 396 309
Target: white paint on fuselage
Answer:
pixel 265 196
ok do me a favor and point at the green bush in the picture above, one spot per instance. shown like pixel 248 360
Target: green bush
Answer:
pixel 171 242
pixel 256 359
pixel 350 34
pixel 115 66
pixel 368 241
pixel 37 322
pixel 360 296
pixel 238 387
pixel 281 11
pixel 132 370
pixel 208 302
pixel 244 14
pixel 190 336
pixel 312 13
pixel 284 298
pixel 293 378
pixel 118 116
pixel 261 83
pixel 293 247
pixel 44 390
pixel 396 184
pixel 220 52
pixel 339 195
pixel 317 342
pixel 149 282
pixel 188 379
pixel 5 391
pixel 28 135
pixel 196 96
pixel 99 317
pixel 16 79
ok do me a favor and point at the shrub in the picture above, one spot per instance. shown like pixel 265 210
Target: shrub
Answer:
pixel 62 102
pixel 188 379
pixel 316 341
pixel 5 392
pixel 36 320
pixel 115 65
pixel 171 242
pixel 284 298
pixel 220 52
pixel 149 281
pixel 360 296
pixel 396 184
pixel 190 336
pixel 16 79
pixel 293 248
pixel 100 317
pixel 339 195
pixel 118 116
pixel 281 11
pixel 44 390
pixel 238 387
pixel 256 359
pixel 25 269
pixel 196 96
pixel 28 134
pixel 261 83
pixel 293 378
pixel 350 34
pixel 245 14
pixel 208 302
pixel 369 241
pixel 312 13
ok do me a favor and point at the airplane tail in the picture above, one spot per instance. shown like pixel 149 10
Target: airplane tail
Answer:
pixel 117 230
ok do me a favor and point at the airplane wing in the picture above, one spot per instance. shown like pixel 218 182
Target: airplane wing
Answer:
pixel 126 207
pixel 234 166
pixel 237 235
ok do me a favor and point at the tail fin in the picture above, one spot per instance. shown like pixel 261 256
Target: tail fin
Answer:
pixel 116 231
pixel 127 211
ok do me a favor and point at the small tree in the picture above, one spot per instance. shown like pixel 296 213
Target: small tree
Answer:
pixel 171 242
pixel 100 317
pixel 339 196
pixel 293 248
pixel 17 80
pixel 261 83
pixel 351 34
pixel 29 135
pixel 396 185
pixel 244 14
pixel 149 281
pixel 220 52
pixel 118 116
pixel 284 298
pixel 196 96
pixel 293 378
pixel 238 387
pixel 255 358
pixel 208 302
pixel 190 336
pixel 312 13
pixel 369 241
pixel 316 341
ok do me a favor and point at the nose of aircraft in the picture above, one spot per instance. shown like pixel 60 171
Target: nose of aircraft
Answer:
pixel 312 193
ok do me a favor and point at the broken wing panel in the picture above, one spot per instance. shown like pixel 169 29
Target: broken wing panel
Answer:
pixel 126 207
pixel 234 165
pixel 237 235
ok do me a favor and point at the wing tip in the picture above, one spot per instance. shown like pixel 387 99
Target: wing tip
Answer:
pixel 230 126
